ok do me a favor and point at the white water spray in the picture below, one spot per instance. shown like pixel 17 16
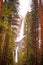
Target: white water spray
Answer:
pixel 16 54
pixel 22 12
pixel 21 33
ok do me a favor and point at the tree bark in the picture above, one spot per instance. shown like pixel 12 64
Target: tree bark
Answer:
pixel 35 26
pixel 0 7
pixel 41 22
pixel 5 50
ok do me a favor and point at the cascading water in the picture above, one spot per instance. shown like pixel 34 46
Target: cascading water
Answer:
pixel 21 33
pixel 19 38
pixel 23 8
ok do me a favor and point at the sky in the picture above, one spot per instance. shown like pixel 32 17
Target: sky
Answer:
pixel 25 5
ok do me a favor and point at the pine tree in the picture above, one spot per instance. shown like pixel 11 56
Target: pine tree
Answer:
pixel 7 14
pixel 34 30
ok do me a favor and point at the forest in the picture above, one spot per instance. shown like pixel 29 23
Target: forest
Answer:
pixel 21 32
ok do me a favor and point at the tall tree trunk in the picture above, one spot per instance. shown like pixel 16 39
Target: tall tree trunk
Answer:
pixel 41 22
pixel 5 1
pixel 0 29
pixel 0 47
pixel 5 50
pixel 35 26
pixel 0 7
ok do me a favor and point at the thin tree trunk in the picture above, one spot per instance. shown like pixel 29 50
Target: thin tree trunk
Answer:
pixel 0 47
pixel 5 1
pixel 5 50
pixel 35 26
pixel 41 22
pixel 0 7
pixel 0 29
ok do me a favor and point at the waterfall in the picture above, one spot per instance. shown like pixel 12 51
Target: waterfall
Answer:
pixel 19 38
pixel 23 8
pixel 16 54
pixel 21 33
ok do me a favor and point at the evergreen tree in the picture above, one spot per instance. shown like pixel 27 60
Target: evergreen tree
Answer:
pixel 9 32
pixel 34 29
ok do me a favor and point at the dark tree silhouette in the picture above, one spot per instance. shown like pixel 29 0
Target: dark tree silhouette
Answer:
pixel 12 6
pixel 41 22
pixel 0 7
pixel 34 30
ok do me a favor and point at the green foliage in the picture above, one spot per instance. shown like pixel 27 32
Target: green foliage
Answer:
pixel 41 59
pixel 10 60
pixel 2 41
pixel 31 59
pixel 1 21
pixel 6 10
pixel 10 47
pixel 22 57
pixel 13 4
